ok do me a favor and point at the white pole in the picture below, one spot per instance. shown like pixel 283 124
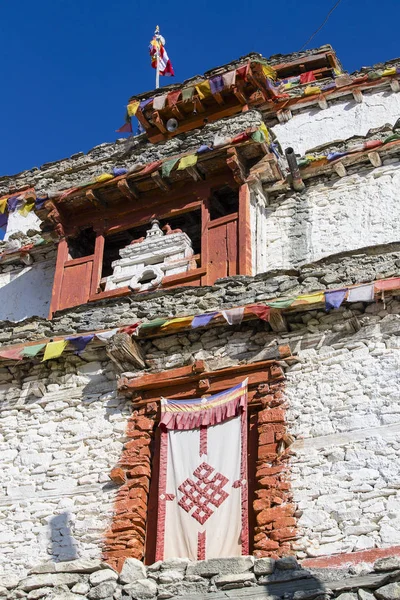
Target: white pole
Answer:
pixel 157 36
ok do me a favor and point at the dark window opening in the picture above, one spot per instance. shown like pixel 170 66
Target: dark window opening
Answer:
pixel 224 201
pixel 82 244
pixel 189 223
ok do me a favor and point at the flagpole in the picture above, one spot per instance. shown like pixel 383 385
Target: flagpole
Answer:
pixel 157 34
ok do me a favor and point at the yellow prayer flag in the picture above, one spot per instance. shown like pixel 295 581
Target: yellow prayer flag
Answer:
pixel 265 131
pixel 3 205
pixel 177 323
pixel 104 177
pixel 187 161
pixel 310 90
pixel 269 72
pixel 203 89
pixel 309 298
pixel 132 108
pixel 389 71
pixel 54 349
pixel 27 207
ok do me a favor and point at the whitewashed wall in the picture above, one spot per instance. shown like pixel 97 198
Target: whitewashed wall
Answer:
pixel 344 409
pixel 26 291
pixel 341 120
pixel 56 452
pixel 350 213
pixel 19 223
pixel 258 224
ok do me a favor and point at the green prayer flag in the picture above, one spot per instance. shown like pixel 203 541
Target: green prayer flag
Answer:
pixel 152 324
pixel 258 136
pixel 32 350
pixel 392 138
pixel 167 166
pixel 284 303
pixel 187 94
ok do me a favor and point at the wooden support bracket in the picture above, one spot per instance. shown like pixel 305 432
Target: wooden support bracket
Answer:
pixel 374 159
pixel 162 184
pixel 125 352
pixel 284 115
pixel 219 99
pixel 277 321
pixel 195 173
pixel 323 103
pixel 197 105
pixel 395 85
pixel 340 169
pixel 128 190
pixel 158 122
pixel 177 113
pixel 237 166
pixel 95 198
pixel 358 96
pixel 240 95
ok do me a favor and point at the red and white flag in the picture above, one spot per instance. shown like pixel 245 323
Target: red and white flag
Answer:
pixel 157 46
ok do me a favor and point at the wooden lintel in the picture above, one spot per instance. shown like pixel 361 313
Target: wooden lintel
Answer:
pixel 277 321
pixel 94 198
pixel 128 190
pixel 194 173
pixel 162 184
pixel 236 164
pixel 218 98
pixel 158 122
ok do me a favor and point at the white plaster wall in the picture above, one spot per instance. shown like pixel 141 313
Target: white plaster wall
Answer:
pixel 344 410
pixel 339 121
pixel 56 453
pixel 26 291
pixel 18 223
pixel 353 212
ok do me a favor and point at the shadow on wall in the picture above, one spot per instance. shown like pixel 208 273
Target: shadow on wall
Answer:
pixel 62 543
pixel 27 294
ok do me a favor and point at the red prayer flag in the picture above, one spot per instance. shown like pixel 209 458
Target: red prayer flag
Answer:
pixel 126 128
pixel 261 310
pixel 12 353
pixel 173 97
pixel 307 77
pixel 130 329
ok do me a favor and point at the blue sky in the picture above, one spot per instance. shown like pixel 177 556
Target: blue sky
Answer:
pixel 68 67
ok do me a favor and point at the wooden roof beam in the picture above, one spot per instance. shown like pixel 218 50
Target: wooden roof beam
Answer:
pixel 177 113
pixel 162 184
pixel 194 173
pixel 239 93
pixel 128 190
pixel 219 99
pixel 197 106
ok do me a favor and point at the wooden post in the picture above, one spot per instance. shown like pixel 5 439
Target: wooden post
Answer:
pixel 62 256
pixel 244 232
pixel 205 220
pixel 97 263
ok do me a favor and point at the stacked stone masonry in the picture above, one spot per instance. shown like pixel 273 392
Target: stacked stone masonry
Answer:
pixel 242 577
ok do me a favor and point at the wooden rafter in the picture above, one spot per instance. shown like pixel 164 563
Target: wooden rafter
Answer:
pixel 158 122
pixel 219 99
pixel 197 105
pixel 128 190
pixel 162 183
pixel 177 113
pixel 239 93
pixel 195 173
pixel 95 199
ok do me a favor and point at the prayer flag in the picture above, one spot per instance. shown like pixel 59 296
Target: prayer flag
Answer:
pixel 269 72
pixel 187 94
pixel 157 47
pixel 54 349
pixel 310 90
pixel 229 79
pixel 202 486
pixel 216 84
pixel 26 208
pixel 167 166
pixel 177 323
pixel 261 310
pixel 243 71
pixel 125 128
pixel 104 177
pixel 307 77
pixel 202 320
pixel 32 351
pixel 117 172
pixel 3 205
pixel 80 342
pixel 11 353
pixel 173 97
pixel 13 202
pixel 284 303
pixel 309 298
pixel 203 89
pixel 361 293
pixel 159 102
pixel 154 324
pixel 334 298
pixel 132 108
pixel 144 103
pixel 187 161
pixel 233 316
pixel 388 284
pixel 203 148
pixel 130 329
pixel 106 335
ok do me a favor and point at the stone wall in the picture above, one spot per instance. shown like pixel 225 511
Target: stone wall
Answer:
pixel 217 579
pixel 344 117
pixel 337 215
pixel 62 431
